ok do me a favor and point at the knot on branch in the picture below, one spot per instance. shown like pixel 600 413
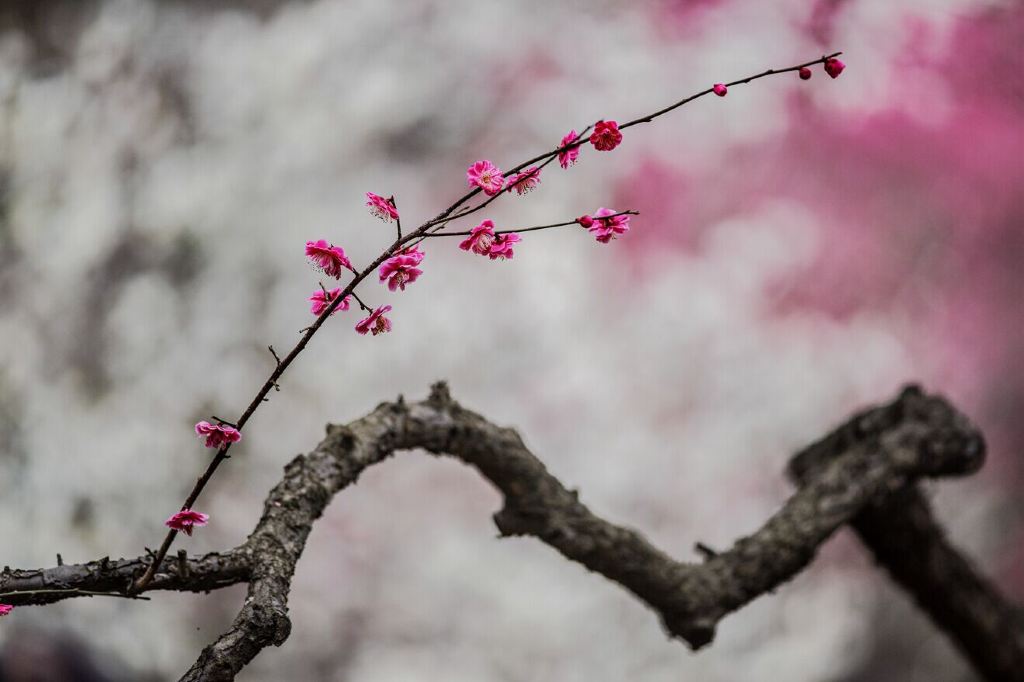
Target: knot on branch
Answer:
pixel 272 622
pixel 924 435
pixel 697 631
pixel 440 397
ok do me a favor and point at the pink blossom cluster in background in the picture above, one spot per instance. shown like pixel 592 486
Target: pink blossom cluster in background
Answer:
pixel 916 201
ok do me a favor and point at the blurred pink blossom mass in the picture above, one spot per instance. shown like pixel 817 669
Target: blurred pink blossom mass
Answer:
pixel 804 245
pixel 916 198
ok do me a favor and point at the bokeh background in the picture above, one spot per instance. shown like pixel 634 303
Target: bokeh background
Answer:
pixel 805 248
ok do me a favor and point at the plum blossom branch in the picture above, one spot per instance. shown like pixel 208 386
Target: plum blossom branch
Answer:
pixel 332 260
pixel 535 228
pixel 686 100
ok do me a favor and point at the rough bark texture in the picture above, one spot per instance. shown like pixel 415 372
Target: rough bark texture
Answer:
pixel 192 574
pixel 863 473
pixel 906 539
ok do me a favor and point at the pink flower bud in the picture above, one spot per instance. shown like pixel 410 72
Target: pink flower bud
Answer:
pixel 720 89
pixel 585 221
pixel 805 73
pixel 834 67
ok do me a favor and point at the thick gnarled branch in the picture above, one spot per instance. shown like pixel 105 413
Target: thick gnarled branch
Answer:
pixel 864 470
pixel 115 576
pixel 910 544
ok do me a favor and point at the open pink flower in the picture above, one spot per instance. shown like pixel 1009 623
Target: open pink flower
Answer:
pixel 834 67
pixel 480 238
pixel 525 181
pixel 376 322
pixel 720 89
pixel 401 270
pixel 569 156
pixel 501 247
pixel 606 229
pixel 328 258
pixel 381 207
pixel 606 136
pixel 5 609
pixel 217 435
pixel 805 73
pixel 186 520
pixel 319 301
pixel 486 176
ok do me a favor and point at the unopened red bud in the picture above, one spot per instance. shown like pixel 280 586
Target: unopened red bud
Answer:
pixel 834 67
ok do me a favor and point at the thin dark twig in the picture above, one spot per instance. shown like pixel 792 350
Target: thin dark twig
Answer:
pixel 72 591
pixel 528 229
pixel 398 219
pixel 361 304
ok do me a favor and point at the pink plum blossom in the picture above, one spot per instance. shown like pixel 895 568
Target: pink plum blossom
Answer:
pixel 501 247
pixel 720 89
pixel 606 136
pixel 376 322
pixel 328 258
pixel 606 228
pixel 480 238
pixel 585 221
pixel 401 270
pixel 569 156
pixel 486 176
pixel 413 252
pixel 525 181
pixel 217 435
pixel 320 301
pixel 381 207
pixel 805 73
pixel 834 67
pixel 186 520
pixel 5 609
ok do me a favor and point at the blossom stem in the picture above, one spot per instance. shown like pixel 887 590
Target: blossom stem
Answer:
pixel 581 139
pixel 742 81
pixel 360 302
pixel 526 229
pixel 84 593
pixel 398 220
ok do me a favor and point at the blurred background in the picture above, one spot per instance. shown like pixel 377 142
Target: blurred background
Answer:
pixel 804 249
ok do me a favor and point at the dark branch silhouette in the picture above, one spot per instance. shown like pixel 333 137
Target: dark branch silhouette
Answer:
pixel 863 473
